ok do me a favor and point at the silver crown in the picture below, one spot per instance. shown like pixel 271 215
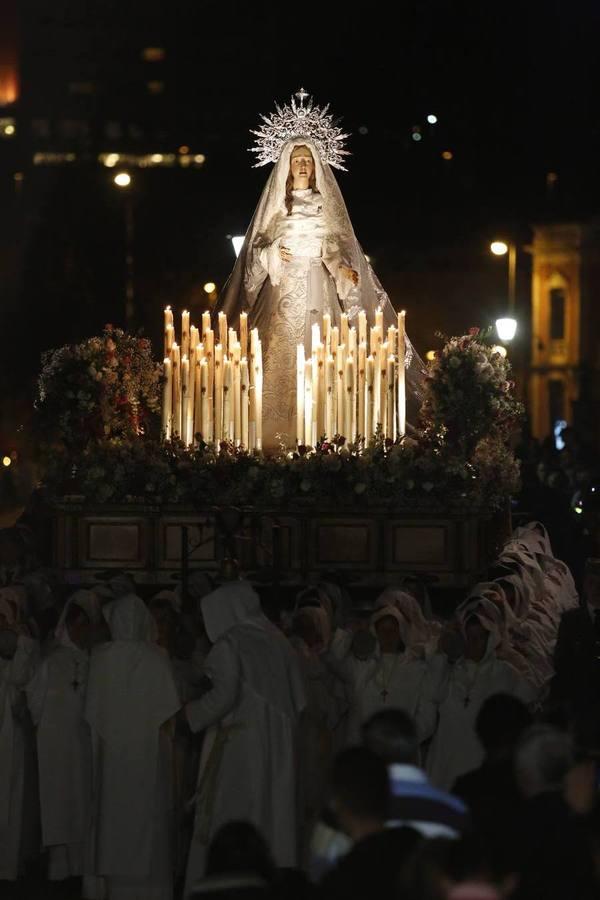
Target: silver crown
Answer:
pixel 300 121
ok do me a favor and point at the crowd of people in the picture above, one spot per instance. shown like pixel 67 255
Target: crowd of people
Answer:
pixel 192 746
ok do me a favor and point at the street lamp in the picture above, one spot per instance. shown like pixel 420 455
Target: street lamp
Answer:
pixel 506 328
pixel 502 248
pixel 123 182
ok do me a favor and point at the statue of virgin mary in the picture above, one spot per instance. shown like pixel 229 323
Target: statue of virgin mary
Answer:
pixel 300 259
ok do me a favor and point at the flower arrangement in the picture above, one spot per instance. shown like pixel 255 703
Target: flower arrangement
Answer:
pixel 103 393
pixel 105 388
pixel 469 394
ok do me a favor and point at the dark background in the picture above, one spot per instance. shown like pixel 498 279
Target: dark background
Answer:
pixel 514 87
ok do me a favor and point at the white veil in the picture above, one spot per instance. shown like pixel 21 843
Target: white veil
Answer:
pixel 249 289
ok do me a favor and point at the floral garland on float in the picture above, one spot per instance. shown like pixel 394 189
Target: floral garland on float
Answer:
pixel 99 409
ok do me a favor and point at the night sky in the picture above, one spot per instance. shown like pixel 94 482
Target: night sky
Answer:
pixel 514 87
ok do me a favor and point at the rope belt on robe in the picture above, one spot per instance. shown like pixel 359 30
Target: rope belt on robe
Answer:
pixel 207 785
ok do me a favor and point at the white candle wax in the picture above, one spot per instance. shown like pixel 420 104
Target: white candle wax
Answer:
pixel 244 388
pixel 167 398
pixel 308 403
pixel 300 394
pixel 185 334
pixel 330 397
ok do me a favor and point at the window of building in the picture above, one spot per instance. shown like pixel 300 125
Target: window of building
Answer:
pixel 40 128
pixel 153 54
pixel 556 400
pixel 84 88
pixel 557 313
pixel 113 130
pixel 74 129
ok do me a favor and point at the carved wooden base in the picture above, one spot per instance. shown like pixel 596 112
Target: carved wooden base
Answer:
pixel 370 546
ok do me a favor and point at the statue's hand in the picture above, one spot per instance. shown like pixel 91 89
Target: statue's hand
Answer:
pixel 349 273
pixel 286 254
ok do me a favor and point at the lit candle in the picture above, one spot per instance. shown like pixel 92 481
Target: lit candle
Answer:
pixel 308 402
pixel 362 327
pixel 344 330
pixel 191 392
pixel 244 389
pixel 228 424
pixel 375 345
pixel 353 352
pixel 369 395
pixel 168 329
pixel 335 340
pixel 185 334
pixel 169 339
pixel 321 390
pixel 194 338
pixel 231 342
pixel 167 398
pixel 300 394
pixel 204 399
pixel 209 355
pixel 316 336
pixel 244 335
pixel 176 362
pixel 379 318
pixel 391 384
pixel 258 388
pixel 315 398
pixel 327 333
pixel 223 332
pixel 185 397
pixel 205 323
pixel 198 427
pixel 383 388
pixel 362 365
pixel 340 388
pixel 237 394
pixel 218 427
pixel 349 396
pixel 391 340
pixel 401 389
pixel 330 397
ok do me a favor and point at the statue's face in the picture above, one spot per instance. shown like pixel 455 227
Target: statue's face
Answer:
pixel 302 167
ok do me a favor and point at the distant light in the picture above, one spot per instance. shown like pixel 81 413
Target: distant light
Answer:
pixel 210 287
pixel 238 242
pixel 506 328
pixel 363 129
pixel 9 129
pixel 499 248
pixel 430 355
pixel 578 510
pixel 122 179
pixel 6 461
pixel 184 149
pixel 18 176
pixel 111 159
pixel 501 351
pixel 447 154
pixel 551 178
pixel 153 54
pixel 156 157
pixel 416 136
pixel 199 158
pixel 432 119
pixel 559 426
